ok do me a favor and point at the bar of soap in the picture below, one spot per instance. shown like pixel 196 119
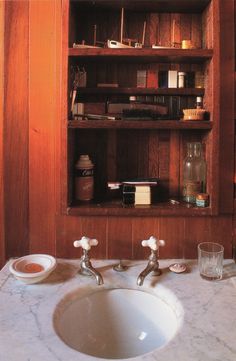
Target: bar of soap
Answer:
pixel 178 267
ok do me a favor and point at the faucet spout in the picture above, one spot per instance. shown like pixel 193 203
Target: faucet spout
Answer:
pixel 150 267
pixel 88 269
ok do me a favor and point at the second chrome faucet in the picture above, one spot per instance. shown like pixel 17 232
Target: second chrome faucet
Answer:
pixel 153 264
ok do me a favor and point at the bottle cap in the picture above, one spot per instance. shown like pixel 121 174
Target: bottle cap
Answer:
pixel 181 73
pixel 132 98
pixel 84 162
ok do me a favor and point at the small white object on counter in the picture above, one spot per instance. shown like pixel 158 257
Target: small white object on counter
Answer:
pixel 178 267
pixel 32 268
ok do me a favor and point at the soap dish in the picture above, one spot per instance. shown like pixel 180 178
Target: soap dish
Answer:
pixel 32 268
pixel 178 267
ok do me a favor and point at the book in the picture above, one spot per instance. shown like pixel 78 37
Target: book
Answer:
pixel 172 78
pixel 142 181
pixel 152 79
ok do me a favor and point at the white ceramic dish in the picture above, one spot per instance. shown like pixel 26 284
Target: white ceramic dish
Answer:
pixel 33 268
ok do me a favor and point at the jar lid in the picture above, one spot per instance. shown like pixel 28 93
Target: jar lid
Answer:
pixel 132 98
pixel 181 73
pixel 202 196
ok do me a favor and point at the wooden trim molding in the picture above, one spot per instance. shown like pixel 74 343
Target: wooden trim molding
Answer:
pixel 2 218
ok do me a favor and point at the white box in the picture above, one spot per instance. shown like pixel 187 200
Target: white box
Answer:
pixel 172 78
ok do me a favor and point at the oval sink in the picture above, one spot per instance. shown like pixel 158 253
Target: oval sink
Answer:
pixel 115 323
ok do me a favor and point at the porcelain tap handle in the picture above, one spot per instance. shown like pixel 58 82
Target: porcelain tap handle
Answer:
pixel 153 243
pixel 86 243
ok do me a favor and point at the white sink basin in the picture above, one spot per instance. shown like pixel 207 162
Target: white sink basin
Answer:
pixel 115 323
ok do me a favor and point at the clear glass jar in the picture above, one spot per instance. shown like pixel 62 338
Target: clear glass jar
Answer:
pixel 194 172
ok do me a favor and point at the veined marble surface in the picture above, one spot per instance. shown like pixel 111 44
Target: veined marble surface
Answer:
pixel 207 332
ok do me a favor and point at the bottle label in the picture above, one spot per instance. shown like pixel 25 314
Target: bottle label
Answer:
pixel 190 190
pixel 84 172
pixel 84 188
pixel 84 184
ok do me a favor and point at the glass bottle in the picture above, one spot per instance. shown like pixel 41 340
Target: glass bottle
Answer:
pixel 194 172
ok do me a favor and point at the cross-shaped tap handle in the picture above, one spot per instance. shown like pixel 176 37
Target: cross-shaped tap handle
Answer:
pixel 153 243
pixel 86 243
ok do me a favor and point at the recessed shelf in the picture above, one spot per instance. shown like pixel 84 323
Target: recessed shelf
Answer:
pixel 143 91
pixel 186 6
pixel 116 208
pixel 139 124
pixel 144 55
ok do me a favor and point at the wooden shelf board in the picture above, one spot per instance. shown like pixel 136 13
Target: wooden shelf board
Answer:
pixel 139 124
pixel 159 6
pixel 118 209
pixel 143 91
pixel 145 54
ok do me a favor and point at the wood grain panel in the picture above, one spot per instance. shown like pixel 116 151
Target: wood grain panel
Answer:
pixel 197 230
pixel 119 236
pixel 214 229
pixel 70 229
pixel 172 231
pixel 174 164
pixel 143 228
pixel 2 215
pixel 226 156
pixel 42 121
pixel 16 115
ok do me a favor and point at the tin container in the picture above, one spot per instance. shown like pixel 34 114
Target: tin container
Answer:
pixel 202 200
pixel 84 179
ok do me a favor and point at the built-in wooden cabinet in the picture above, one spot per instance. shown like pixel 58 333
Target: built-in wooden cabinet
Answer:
pixel 40 142
pixel 124 149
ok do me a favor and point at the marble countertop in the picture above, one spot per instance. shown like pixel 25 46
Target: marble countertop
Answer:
pixel 207 333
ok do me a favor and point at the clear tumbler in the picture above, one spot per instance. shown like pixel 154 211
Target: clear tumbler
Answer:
pixel 210 260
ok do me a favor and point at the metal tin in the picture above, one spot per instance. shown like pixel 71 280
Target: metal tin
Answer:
pixel 202 200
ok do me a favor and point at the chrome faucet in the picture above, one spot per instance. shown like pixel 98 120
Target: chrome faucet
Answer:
pixel 153 264
pixel 86 267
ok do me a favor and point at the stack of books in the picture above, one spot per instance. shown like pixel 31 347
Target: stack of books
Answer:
pixel 138 192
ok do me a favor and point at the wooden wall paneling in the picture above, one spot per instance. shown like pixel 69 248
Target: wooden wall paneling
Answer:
pixel 226 156
pixel 175 30
pixel 62 175
pixel 172 229
pixel 185 22
pixel 2 210
pixel 119 238
pixel 43 93
pixel 197 230
pixel 16 115
pixel 96 227
pixel 70 229
pixel 164 161
pixel 143 153
pixel 143 228
pixel 209 229
pixel 196 30
pixel 153 29
pixel 111 156
pixel 67 231
pixel 153 157
pixel 174 181
pixel 221 232
pixel 165 29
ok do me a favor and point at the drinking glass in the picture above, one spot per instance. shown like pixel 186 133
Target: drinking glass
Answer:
pixel 210 260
